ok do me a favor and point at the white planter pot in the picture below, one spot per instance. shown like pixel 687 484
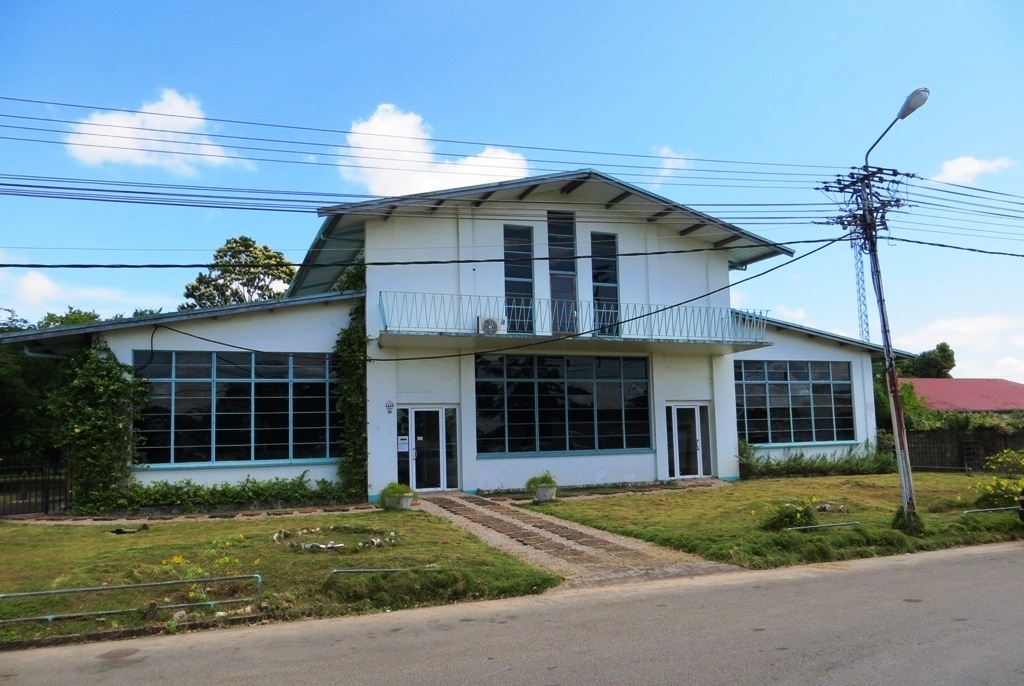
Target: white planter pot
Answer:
pixel 543 494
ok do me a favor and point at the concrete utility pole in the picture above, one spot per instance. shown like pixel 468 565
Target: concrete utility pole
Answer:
pixel 864 219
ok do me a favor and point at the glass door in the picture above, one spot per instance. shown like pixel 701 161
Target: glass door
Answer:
pixel 689 454
pixel 428 448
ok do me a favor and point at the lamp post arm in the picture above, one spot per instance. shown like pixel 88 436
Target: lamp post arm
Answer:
pixel 878 140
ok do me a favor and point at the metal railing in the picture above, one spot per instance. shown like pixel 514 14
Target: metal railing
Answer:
pixel 127 587
pixel 32 490
pixel 444 313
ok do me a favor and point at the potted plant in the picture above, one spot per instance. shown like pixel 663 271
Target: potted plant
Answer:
pixel 396 496
pixel 543 486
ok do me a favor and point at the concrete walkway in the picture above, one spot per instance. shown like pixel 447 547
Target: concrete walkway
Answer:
pixel 584 556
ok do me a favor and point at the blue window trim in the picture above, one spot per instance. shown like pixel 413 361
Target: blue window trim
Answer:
pixel 244 464
pixel 823 444
pixel 566 453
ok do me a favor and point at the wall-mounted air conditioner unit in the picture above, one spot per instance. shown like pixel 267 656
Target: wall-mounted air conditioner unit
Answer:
pixel 489 325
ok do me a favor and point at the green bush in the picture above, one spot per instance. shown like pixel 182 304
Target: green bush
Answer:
pixel 391 495
pixel 856 461
pixel 545 478
pixel 1007 480
pixel 188 496
pixel 799 513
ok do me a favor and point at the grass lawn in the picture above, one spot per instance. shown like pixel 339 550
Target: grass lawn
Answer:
pixel 444 564
pixel 448 565
pixel 723 524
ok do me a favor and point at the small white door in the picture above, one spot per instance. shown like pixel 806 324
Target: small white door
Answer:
pixel 689 454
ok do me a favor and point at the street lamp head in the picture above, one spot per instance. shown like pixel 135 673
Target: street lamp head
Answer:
pixel 913 101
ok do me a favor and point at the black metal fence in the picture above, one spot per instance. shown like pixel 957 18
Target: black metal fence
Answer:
pixel 33 489
pixel 959 450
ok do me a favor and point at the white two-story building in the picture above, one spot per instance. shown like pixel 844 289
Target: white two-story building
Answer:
pixel 571 323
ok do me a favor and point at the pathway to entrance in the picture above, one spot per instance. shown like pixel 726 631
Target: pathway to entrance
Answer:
pixel 584 556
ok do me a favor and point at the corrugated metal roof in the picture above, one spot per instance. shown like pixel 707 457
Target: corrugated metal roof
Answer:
pixel 969 395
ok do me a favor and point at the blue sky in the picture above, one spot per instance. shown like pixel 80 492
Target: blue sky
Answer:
pixel 795 91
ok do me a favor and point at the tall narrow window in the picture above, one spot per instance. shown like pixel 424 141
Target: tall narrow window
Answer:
pixel 604 263
pixel 519 278
pixel 562 268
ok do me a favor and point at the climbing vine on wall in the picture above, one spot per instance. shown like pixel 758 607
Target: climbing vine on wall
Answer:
pixel 96 408
pixel 349 362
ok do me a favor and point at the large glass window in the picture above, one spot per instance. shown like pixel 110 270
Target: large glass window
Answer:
pixel 209 407
pixel 793 402
pixel 555 403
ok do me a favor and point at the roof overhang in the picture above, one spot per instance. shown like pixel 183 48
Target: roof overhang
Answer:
pixel 342 234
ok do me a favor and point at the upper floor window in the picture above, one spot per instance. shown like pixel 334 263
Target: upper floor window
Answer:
pixel 519 278
pixel 562 270
pixel 604 266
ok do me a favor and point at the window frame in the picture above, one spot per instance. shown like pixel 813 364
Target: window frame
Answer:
pixel 233 408
pixel 795 402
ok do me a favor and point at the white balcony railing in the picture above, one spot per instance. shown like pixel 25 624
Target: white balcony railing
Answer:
pixel 433 313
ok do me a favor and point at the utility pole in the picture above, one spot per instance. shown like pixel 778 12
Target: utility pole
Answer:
pixel 867 213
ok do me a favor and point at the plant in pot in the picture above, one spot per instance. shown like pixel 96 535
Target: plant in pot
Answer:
pixel 543 486
pixel 396 496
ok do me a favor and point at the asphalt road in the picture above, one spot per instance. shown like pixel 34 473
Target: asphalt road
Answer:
pixel 951 617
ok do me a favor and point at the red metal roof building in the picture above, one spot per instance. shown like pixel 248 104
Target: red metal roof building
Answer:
pixel 969 395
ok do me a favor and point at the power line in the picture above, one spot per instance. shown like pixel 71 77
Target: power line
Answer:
pixel 414 138
pixel 374 263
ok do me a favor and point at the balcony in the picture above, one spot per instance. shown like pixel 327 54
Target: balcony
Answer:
pixel 406 315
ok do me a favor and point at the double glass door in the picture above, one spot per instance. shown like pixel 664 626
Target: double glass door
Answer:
pixel 689 450
pixel 428 456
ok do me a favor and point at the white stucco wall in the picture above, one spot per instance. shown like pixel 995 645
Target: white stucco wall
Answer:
pixel 462 233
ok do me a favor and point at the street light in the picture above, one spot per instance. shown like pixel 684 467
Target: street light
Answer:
pixel 913 101
pixel 870 238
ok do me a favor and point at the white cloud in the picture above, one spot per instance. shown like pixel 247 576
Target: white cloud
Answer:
pixel 737 298
pixel 965 170
pixel 128 138
pixel 671 162
pixel 782 312
pixel 393 155
pixel 32 293
pixel 986 346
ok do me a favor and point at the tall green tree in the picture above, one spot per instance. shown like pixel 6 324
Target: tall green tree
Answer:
pixel 69 318
pixel 241 272
pixel 936 363
pixel 25 428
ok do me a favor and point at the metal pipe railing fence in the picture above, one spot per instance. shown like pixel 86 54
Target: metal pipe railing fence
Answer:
pixel 126 587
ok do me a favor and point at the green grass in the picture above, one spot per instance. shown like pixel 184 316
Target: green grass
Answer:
pixel 447 565
pixel 723 524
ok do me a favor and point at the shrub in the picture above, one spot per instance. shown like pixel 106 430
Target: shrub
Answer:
pixel 800 513
pixel 545 478
pixel 859 460
pixel 1007 480
pixel 390 497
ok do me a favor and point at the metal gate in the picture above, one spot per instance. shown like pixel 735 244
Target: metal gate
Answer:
pixel 33 489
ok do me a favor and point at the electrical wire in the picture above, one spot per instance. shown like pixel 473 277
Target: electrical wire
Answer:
pixel 381 263
pixel 413 138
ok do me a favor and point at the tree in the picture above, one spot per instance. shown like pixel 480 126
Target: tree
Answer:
pixel 241 272
pixel 72 316
pixel 930 364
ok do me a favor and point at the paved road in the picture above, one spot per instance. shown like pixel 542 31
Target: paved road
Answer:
pixel 935 619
